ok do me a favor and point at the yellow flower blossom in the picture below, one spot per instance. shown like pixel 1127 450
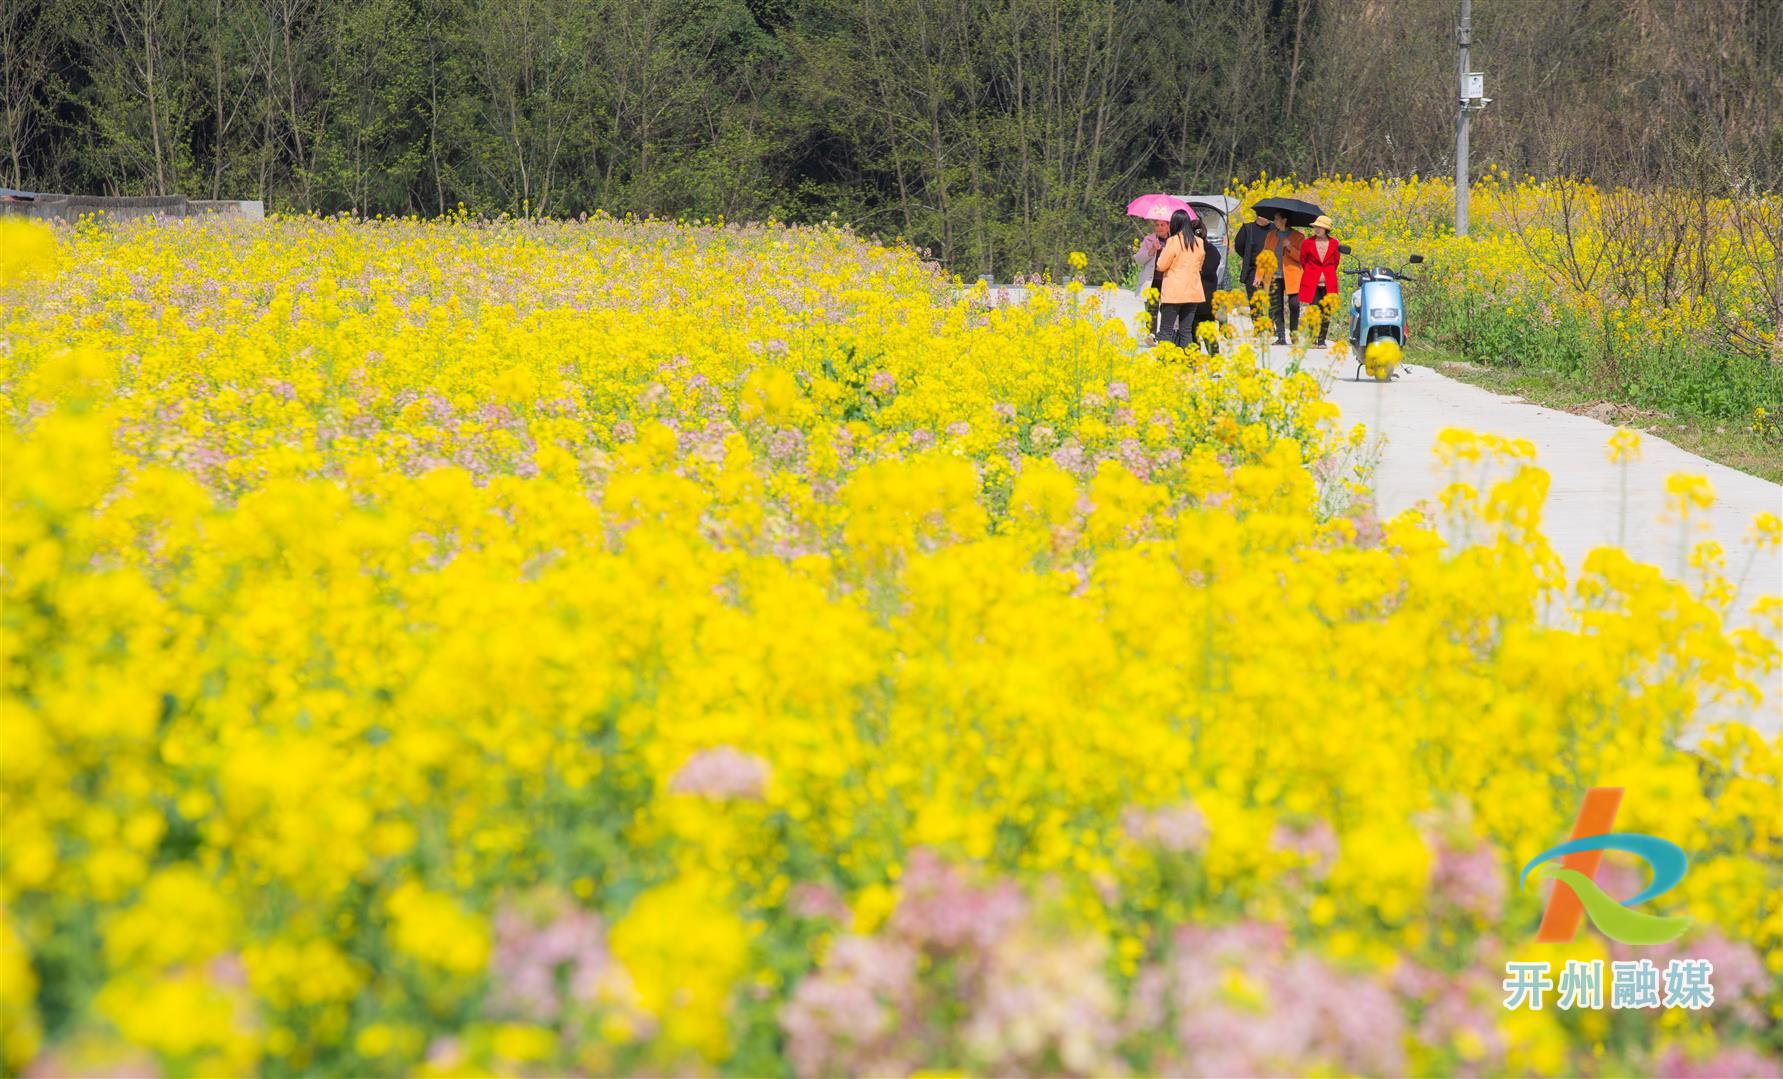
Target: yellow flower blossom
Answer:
pixel 363 582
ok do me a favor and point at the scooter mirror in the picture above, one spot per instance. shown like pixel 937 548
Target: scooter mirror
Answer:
pixel 1417 259
pixel 1343 249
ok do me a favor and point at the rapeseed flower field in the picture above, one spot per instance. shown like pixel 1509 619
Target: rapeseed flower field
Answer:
pixel 630 647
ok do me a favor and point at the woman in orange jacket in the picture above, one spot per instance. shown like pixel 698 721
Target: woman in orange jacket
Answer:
pixel 1318 261
pixel 1180 263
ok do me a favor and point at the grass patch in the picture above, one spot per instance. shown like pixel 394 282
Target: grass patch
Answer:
pixel 1728 442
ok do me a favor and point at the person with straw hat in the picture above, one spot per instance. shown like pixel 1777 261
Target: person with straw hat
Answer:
pixel 1318 270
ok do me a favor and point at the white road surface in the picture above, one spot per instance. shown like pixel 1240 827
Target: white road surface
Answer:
pixel 1587 506
pixel 1585 498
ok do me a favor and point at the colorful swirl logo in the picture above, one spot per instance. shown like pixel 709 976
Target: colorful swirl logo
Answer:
pixel 1576 891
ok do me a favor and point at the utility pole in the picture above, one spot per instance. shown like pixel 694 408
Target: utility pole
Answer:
pixel 1463 37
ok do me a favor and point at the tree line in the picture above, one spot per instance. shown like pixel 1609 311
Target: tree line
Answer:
pixel 997 133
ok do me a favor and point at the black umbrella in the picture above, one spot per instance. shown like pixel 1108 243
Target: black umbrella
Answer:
pixel 1300 212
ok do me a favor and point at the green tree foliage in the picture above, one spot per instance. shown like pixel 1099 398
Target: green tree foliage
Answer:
pixel 997 133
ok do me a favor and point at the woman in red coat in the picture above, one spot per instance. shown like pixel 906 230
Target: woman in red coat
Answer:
pixel 1318 262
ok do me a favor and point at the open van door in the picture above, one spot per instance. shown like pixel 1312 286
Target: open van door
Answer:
pixel 1217 211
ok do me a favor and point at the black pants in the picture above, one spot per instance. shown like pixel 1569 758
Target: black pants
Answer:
pixel 1324 319
pixel 1176 323
pixel 1204 314
pixel 1276 300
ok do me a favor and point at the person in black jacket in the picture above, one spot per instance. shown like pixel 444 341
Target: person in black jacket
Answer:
pixel 1213 271
pixel 1247 245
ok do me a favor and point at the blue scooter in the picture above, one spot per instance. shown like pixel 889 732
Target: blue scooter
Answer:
pixel 1377 307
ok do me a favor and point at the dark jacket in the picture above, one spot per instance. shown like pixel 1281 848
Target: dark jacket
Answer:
pixel 1213 271
pixel 1247 244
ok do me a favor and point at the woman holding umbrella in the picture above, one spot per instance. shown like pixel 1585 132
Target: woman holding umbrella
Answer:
pixel 1146 255
pixel 1157 208
pixel 1180 262
pixel 1284 242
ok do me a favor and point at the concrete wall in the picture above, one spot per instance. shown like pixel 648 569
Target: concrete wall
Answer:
pixel 71 208
pixel 247 209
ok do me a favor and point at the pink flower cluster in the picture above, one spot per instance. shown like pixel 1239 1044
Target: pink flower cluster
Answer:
pixel 1235 1001
pixel 1740 978
pixel 1450 1005
pixel 1026 1002
pixel 1313 840
pixel 1179 829
pixel 1734 1062
pixel 723 772
pixel 942 911
pixel 551 958
pixel 857 1015
pixel 1473 880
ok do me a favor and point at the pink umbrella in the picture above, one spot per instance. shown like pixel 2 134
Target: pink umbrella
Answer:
pixel 1158 207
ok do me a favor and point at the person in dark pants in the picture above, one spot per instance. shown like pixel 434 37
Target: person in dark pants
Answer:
pixel 1181 293
pixel 1213 270
pixel 1245 245
pixel 1318 261
pixel 1284 288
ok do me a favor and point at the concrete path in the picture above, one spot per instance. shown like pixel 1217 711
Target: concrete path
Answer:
pixel 1586 505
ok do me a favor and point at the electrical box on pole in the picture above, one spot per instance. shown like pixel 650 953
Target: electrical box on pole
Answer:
pixel 1463 39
